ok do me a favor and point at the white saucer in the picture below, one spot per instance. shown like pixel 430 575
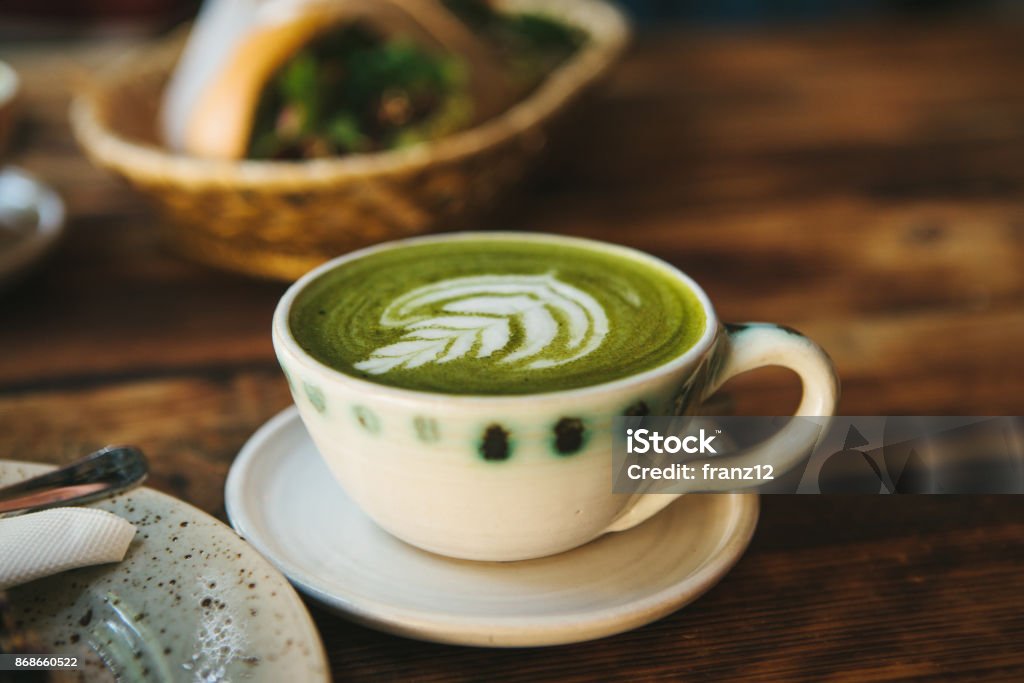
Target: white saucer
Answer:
pixel 282 499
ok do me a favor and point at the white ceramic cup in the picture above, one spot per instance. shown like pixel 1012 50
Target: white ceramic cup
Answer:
pixel 479 477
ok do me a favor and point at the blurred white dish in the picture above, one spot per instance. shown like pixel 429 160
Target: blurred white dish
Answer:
pixel 31 222
pixel 281 497
pixel 10 85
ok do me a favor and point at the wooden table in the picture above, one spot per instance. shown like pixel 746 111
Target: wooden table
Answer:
pixel 865 185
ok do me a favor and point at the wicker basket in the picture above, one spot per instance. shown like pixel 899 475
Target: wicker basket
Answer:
pixel 279 219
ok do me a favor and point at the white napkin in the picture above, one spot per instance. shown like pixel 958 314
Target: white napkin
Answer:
pixel 52 541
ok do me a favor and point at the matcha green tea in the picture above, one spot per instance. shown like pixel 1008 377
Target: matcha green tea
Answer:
pixel 495 316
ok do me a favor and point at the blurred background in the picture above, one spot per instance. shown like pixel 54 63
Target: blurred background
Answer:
pixel 853 169
pixel 26 20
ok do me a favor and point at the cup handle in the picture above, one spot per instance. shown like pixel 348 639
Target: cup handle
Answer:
pixel 749 347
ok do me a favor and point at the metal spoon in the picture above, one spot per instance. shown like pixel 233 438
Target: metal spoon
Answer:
pixel 108 471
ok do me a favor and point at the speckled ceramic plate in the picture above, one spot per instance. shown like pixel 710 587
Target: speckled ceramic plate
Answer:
pixel 190 602
pixel 282 498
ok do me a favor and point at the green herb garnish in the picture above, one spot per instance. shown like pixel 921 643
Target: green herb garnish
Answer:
pixel 352 92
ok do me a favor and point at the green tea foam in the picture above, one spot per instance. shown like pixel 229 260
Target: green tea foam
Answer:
pixel 496 316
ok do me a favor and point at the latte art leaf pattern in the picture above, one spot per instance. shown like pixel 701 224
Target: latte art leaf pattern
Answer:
pixel 535 320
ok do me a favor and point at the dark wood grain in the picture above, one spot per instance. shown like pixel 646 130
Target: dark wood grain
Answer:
pixel 865 185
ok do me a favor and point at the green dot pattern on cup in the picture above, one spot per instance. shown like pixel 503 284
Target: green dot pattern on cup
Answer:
pixel 637 409
pixel 495 445
pixel 316 397
pixel 367 419
pixel 500 316
pixel 570 436
pixel 426 429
